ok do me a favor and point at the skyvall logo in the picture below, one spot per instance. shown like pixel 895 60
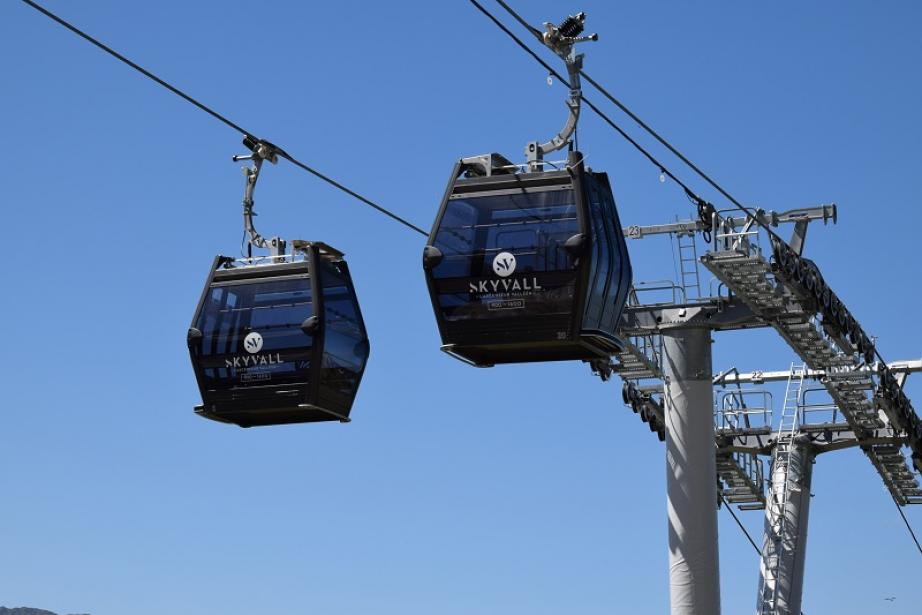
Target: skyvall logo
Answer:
pixel 483 287
pixel 253 342
pixel 259 360
pixel 504 264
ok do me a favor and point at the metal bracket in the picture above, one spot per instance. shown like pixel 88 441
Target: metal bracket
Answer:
pixel 561 39
pixel 773 218
pixel 799 237
pixel 261 151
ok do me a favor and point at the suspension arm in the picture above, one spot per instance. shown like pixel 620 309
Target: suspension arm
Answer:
pixel 561 39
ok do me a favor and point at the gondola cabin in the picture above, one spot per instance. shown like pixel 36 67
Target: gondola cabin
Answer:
pixel 279 339
pixel 529 266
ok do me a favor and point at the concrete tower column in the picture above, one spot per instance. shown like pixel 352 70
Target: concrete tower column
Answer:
pixel 691 473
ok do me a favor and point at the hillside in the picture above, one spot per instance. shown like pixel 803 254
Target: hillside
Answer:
pixel 25 610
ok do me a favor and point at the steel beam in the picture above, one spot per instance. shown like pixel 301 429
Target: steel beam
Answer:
pixel 715 314
pixel 731 377
pixel 772 218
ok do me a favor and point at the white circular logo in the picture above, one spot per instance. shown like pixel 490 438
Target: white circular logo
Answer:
pixel 253 342
pixel 504 264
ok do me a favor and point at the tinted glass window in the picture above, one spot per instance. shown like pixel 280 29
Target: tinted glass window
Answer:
pixel 345 346
pixel 477 277
pixel 251 333
pixel 619 276
pixel 601 265
pixel 611 272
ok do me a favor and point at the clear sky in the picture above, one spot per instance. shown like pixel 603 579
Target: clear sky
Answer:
pixel 522 489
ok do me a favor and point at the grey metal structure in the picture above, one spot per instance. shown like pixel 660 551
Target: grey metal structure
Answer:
pixel 784 547
pixel 666 367
pixel 561 39
pixel 840 396
pixel 261 151
pixel 788 500
pixel 690 469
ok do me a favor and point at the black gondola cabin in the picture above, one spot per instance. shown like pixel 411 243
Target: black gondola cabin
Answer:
pixel 279 339
pixel 527 267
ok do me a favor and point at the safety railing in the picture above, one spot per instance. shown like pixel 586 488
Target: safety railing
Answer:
pixel 726 236
pixel 676 293
pixel 740 409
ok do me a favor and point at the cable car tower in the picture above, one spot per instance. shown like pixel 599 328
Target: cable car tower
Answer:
pixel 838 395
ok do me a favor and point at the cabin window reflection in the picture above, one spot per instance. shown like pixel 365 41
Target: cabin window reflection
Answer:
pixel 601 266
pixel 345 346
pixel 531 225
pixel 276 310
pixel 617 288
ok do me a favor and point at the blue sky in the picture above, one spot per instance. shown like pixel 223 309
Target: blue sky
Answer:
pixel 521 489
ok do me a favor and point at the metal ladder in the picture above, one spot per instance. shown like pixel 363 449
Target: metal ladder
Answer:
pixel 688 265
pixel 776 546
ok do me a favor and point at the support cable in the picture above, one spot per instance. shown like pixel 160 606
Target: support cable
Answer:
pixel 729 509
pixel 589 103
pixel 633 116
pixel 899 509
pixel 222 118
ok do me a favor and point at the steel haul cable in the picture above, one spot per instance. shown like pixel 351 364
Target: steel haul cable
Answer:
pixel 663 169
pixel 589 103
pixel 222 118
pixel 641 123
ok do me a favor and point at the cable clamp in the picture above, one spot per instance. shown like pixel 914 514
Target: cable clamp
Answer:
pixel 262 150
pixel 562 38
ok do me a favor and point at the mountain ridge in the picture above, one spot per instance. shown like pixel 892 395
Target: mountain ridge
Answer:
pixel 26 610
